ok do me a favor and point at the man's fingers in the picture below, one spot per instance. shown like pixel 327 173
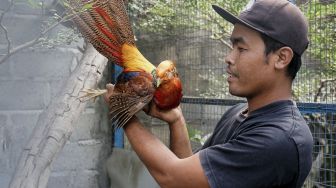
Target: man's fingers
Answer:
pixel 150 109
pixel 109 88
pixel 146 108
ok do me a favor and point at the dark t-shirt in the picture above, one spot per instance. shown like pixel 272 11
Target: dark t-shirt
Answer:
pixel 272 147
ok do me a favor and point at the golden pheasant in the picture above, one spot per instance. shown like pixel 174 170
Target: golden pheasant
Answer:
pixel 106 25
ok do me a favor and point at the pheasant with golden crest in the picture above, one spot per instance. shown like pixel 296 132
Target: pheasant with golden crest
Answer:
pixel 106 25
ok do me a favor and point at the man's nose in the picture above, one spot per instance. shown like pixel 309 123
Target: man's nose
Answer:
pixel 229 59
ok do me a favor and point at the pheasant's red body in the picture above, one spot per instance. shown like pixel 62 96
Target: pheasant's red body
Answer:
pixel 169 95
pixel 106 26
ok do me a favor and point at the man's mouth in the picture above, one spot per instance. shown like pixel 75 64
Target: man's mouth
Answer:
pixel 230 73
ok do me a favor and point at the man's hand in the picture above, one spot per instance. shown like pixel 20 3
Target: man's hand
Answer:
pixel 170 116
pixel 108 94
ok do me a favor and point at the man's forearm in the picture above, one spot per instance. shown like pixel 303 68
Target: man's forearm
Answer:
pixel 152 152
pixel 167 169
pixel 179 139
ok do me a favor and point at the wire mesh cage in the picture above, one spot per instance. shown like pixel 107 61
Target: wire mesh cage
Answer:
pixel 191 34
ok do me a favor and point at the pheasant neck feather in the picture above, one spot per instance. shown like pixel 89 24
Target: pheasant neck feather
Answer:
pixel 133 60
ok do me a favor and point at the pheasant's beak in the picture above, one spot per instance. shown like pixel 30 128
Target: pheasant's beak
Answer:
pixel 158 82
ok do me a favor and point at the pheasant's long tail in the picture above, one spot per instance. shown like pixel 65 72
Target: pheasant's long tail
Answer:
pixel 105 24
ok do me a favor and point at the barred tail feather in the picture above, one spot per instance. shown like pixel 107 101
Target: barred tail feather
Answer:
pixel 106 25
pixel 117 7
pixel 94 35
pixel 116 19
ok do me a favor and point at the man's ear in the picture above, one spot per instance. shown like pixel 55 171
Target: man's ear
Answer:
pixel 285 55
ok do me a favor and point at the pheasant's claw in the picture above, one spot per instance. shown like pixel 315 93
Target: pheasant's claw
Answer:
pixel 91 94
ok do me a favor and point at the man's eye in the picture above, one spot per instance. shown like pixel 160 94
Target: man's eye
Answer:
pixel 241 49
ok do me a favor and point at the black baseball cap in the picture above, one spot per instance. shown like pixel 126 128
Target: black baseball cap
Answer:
pixel 279 19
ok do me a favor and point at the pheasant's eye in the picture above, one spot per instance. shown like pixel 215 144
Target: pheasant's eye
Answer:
pixel 169 75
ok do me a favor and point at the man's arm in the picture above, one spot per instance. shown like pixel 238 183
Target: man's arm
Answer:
pixel 178 169
pixel 179 139
pixel 163 164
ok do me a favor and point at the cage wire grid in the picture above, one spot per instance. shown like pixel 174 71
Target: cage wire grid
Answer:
pixel 196 39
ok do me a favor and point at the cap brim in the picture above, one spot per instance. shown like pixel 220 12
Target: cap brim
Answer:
pixel 231 18
pixel 226 15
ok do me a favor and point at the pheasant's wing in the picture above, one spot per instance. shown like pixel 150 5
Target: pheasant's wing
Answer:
pixel 123 106
pixel 106 25
pixel 131 93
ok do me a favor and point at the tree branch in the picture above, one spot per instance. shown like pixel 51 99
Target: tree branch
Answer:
pixel 220 38
pixel 322 85
pixel 21 47
pixel 217 36
pixel 56 124
pixel 11 3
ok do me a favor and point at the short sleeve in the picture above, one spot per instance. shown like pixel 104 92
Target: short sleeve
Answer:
pixel 264 157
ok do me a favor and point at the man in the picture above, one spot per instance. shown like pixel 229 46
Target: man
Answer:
pixel 264 143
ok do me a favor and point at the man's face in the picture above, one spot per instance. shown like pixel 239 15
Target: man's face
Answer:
pixel 249 72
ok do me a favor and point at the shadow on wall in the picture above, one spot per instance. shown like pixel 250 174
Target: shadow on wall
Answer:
pixel 125 170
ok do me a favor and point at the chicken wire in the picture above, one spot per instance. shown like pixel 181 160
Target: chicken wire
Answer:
pixel 199 48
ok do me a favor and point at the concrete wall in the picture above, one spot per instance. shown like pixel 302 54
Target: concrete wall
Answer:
pixel 29 80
